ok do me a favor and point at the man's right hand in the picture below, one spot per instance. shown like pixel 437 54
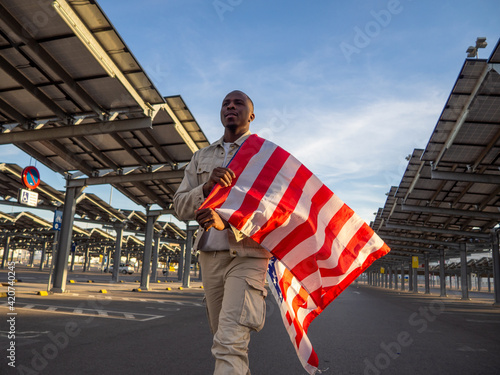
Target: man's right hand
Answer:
pixel 221 176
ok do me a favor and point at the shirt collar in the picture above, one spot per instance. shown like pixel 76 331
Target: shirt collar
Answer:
pixel 239 141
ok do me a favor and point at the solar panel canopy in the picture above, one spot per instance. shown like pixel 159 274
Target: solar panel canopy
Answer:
pixel 450 191
pixel 73 96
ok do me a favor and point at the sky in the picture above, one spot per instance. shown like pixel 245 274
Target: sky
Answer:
pixel 350 88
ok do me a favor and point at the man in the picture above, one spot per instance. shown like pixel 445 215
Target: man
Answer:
pixel 233 266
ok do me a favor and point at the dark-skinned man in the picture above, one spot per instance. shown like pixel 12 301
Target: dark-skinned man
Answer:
pixel 233 266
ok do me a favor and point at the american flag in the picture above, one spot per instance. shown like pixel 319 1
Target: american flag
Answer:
pixel 319 244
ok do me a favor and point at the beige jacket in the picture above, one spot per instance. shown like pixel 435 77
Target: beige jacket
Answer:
pixel 189 196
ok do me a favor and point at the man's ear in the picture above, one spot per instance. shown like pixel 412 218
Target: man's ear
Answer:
pixel 252 117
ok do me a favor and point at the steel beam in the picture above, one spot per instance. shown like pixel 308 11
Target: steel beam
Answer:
pixel 418 228
pixel 88 39
pixel 41 158
pixel 70 131
pixel 48 60
pixel 162 212
pixel 130 150
pixel 12 113
pixel 452 212
pixel 466 177
pixel 59 149
pixel 32 89
pixel 178 126
pixel 418 240
pixel 409 247
pixel 149 176
pixel 463 115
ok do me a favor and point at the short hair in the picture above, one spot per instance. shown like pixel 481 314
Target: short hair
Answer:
pixel 249 99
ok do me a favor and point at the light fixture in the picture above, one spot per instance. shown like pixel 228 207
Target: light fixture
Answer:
pixel 480 43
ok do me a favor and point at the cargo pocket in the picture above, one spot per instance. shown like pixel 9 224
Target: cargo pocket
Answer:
pixel 253 312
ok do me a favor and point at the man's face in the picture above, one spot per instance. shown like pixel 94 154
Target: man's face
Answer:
pixel 236 111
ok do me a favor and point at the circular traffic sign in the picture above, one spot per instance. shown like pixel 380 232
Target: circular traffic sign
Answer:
pixel 30 177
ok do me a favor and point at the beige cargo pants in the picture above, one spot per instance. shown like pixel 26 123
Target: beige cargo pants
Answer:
pixel 235 299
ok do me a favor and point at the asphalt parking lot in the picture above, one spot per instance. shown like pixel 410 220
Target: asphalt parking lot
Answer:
pixel 366 330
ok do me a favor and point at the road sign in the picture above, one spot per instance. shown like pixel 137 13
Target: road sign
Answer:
pixel 28 197
pixel 414 262
pixel 56 225
pixel 30 177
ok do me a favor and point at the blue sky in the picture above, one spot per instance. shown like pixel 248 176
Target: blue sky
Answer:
pixel 348 87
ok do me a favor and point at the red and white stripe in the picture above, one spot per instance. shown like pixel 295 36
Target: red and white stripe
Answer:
pixel 278 202
pixel 297 311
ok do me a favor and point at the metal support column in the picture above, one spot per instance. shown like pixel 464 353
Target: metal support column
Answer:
pixel 44 254
pixel 6 250
pixel 395 277
pixel 148 244
pixel 463 271
pixel 154 266
pixel 402 276
pixel 117 256
pixel 31 257
pixel 65 239
pixel 180 265
pixel 187 259
pixel 496 266
pixel 108 258
pixel 442 276
pixel 73 255
pixel 390 277
pixel 86 258
pixel 410 277
pixel 426 270
pixel 55 244
pixel 415 280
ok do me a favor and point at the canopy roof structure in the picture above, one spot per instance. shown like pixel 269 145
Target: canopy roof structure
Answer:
pixel 74 97
pixel 26 230
pixel 450 192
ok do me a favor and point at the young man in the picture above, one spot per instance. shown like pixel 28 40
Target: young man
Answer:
pixel 233 266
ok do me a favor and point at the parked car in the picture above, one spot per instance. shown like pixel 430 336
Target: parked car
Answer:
pixel 124 268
